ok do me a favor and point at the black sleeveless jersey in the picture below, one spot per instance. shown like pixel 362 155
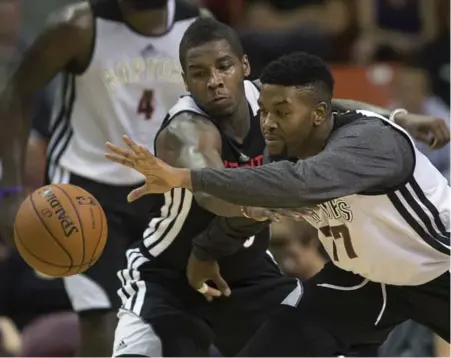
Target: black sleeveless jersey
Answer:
pixel 177 218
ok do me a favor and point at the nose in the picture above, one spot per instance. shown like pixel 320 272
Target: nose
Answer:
pixel 267 122
pixel 215 81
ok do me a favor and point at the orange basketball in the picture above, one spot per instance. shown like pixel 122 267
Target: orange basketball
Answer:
pixel 60 230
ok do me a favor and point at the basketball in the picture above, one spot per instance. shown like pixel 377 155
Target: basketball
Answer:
pixel 60 230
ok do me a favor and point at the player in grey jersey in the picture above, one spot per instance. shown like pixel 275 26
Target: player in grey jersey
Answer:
pixel 380 208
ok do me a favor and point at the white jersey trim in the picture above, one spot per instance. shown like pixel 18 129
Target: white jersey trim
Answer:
pixel 163 230
pixel 412 204
pixel 61 128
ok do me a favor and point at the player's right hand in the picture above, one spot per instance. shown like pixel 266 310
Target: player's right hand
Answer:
pixel 199 272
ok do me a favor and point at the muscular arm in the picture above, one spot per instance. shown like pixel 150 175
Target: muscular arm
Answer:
pixel 64 44
pixel 191 141
pixel 343 105
pixel 363 156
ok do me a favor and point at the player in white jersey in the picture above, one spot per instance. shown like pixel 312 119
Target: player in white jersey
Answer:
pixel 120 74
pixel 380 207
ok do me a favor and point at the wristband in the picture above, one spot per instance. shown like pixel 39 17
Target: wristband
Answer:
pixel 396 112
pixel 10 190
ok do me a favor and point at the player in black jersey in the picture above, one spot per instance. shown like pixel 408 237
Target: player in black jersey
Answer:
pixel 216 126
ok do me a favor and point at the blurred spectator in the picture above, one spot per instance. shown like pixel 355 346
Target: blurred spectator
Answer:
pixel 26 295
pixel 10 340
pixel 302 254
pixel 435 58
pixel 411 90
pixel 393 29
pixel 55 335
pixel 11 46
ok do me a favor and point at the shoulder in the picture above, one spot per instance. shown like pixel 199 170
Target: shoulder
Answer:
pixel 79 14
pixel 187 128
pixel 368 130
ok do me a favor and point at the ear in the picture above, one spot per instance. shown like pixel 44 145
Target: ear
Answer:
pixel 320 114
pixel 246 66
pixel 184 81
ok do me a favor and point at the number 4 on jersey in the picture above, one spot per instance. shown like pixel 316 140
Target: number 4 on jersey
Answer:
pixel 145 105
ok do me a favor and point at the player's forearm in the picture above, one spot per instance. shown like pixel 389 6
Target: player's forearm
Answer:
pixel 276 185
pixel 14 130
pixel 342 105
pixel 224 236
pixel 217 206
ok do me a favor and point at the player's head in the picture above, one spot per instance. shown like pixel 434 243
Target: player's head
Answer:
pixel 146 4
pixel 214 66
pixel 295 103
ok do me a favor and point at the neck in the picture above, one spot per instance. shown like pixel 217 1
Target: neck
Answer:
pixel 238 124
pixel 317 140
pixel 147 22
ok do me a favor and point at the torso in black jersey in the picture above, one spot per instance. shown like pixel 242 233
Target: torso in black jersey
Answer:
pixel 178 218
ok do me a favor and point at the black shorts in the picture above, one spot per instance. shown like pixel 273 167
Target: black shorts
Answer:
pixel 166 317
pixel 97 288
pixel 343 313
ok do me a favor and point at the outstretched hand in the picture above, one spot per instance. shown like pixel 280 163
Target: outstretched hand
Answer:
pixel 159 176
pixel 431 130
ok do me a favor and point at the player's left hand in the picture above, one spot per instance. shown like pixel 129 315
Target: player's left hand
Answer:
pixel 199 272
pixel 428 129
pixel 160 177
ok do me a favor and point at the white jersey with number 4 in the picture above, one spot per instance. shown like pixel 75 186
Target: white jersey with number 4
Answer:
pixel 131 83
pixel 399 237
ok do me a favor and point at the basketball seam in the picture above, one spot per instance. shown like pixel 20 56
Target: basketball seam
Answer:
pixel 16 231
pixel 79 222
pixel 51 234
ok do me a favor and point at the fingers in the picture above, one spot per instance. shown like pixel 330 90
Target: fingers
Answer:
pixel 440 134
pixel 132 145
pixel 137 193
pixel 120 159
pixel 222 285
pixel 209 292
pixel 273 216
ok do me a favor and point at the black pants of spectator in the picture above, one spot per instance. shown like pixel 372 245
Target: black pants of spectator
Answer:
pixel 341 313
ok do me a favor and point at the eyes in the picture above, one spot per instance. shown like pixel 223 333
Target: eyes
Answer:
pixel 277 113
pixel 222 68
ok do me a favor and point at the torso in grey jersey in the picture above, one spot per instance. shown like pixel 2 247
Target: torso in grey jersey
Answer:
pixel 398 236
pixel 380 207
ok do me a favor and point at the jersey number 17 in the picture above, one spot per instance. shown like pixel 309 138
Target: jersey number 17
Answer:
pixel 146 105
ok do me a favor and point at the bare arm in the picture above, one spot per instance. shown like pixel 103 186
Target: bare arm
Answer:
pixel 344 105
pixel 191 141
pixel 64 44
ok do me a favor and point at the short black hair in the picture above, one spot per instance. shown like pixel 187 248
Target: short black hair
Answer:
pixel 206 29
pixel 300 69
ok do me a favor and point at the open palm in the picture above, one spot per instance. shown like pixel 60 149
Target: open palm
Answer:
pixel 159 175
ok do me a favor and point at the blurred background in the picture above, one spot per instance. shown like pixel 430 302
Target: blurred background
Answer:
pixel 393 53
